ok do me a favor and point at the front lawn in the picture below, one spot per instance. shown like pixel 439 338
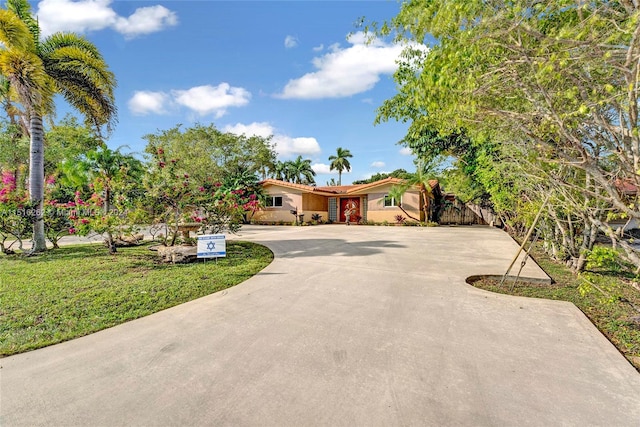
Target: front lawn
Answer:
pixel 76 290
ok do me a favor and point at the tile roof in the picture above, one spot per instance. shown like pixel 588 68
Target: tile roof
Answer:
pixel 341 189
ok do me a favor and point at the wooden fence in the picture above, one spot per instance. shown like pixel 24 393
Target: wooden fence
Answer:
pixel 458 213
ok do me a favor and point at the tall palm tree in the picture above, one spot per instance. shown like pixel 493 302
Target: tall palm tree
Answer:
pixel 279 170
pixel 300 171
pixel 37 69
pixel 340 162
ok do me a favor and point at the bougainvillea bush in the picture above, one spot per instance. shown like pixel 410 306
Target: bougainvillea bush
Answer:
pixel 176 199
pixel 16 213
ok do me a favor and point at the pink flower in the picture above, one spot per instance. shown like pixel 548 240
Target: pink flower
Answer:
pixel 84 221
pixel 160 151
pixel 50 180
pixel 201 188
pixel 71 204
pixel 161 164
pixel 72 230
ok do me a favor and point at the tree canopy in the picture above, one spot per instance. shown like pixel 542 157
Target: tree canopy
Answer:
pixel 540 96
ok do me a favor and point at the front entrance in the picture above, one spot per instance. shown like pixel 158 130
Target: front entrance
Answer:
pixel 352 206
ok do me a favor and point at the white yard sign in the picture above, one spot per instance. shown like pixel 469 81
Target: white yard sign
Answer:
pixel 212 246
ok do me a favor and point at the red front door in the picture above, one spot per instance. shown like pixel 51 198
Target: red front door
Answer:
pixel 351 206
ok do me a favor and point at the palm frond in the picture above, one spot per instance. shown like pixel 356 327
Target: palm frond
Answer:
pixel 15 34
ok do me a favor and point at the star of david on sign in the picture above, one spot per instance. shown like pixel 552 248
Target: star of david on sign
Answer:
pixel 211 246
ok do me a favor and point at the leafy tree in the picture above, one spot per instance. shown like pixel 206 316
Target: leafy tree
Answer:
pixel 68 139
pixel 36 69
pixel 398 173
pixel 558 78
pixel 340 162
pixel 208 154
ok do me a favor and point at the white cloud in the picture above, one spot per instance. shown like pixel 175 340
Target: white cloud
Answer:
pixel 146 20
pixel 212 99
pixel 290 42
pixel 201 99
pixel 405 151
pixel 144 102
pixel 377 164
pixel 322 169
pixel 319 48
pixel 285 145
pixel 347 71
pixel 94 15
pixel 262 129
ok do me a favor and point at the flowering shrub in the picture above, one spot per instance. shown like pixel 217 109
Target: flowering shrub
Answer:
pixel 177 200
pixel 16 213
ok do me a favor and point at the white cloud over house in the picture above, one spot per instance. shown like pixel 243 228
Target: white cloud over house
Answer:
pixel 343 72
pixel 202 100
pixel 93 15
pixel 323 169
pixel 286 146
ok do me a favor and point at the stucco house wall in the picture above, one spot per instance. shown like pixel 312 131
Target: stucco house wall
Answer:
pixel 378 212
pixel 290 200
pixel 315 200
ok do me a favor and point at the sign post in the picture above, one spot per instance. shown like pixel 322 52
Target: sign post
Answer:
pixel 212 246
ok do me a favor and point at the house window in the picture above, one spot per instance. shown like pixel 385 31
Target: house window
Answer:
pixel 274 201
pixel 390 201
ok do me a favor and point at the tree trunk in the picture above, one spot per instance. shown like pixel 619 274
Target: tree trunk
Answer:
pixel 111 244
pixel 36 182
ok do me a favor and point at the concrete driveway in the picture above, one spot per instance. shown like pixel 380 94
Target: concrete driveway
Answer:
pixel 348 326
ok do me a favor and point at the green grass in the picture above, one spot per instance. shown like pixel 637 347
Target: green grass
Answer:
pixel 76 290
pixel 613 314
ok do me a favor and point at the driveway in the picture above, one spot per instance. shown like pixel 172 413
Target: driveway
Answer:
pixel 348 326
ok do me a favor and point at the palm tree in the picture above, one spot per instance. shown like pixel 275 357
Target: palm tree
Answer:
pixel 425 173
pixel 340 162
pixel 279 170
pixel 300 171
pixel 36 69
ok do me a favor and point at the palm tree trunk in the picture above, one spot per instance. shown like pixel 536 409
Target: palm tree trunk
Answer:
pixel 36 181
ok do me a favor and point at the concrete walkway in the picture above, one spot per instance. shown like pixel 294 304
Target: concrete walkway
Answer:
pixel 348 326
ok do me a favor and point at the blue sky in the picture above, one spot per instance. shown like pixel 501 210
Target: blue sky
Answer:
pixel 257 67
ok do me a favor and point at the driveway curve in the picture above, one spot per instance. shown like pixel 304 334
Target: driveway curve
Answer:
pixel 348 326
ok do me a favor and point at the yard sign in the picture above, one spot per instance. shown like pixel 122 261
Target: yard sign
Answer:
pixel 212 246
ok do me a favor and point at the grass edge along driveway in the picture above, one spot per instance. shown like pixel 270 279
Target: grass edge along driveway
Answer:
pixel 77 290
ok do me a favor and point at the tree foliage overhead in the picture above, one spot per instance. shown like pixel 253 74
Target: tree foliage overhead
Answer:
pixel 556 78
pixel 206 153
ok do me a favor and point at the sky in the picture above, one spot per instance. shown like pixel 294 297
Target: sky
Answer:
pixel 298 70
